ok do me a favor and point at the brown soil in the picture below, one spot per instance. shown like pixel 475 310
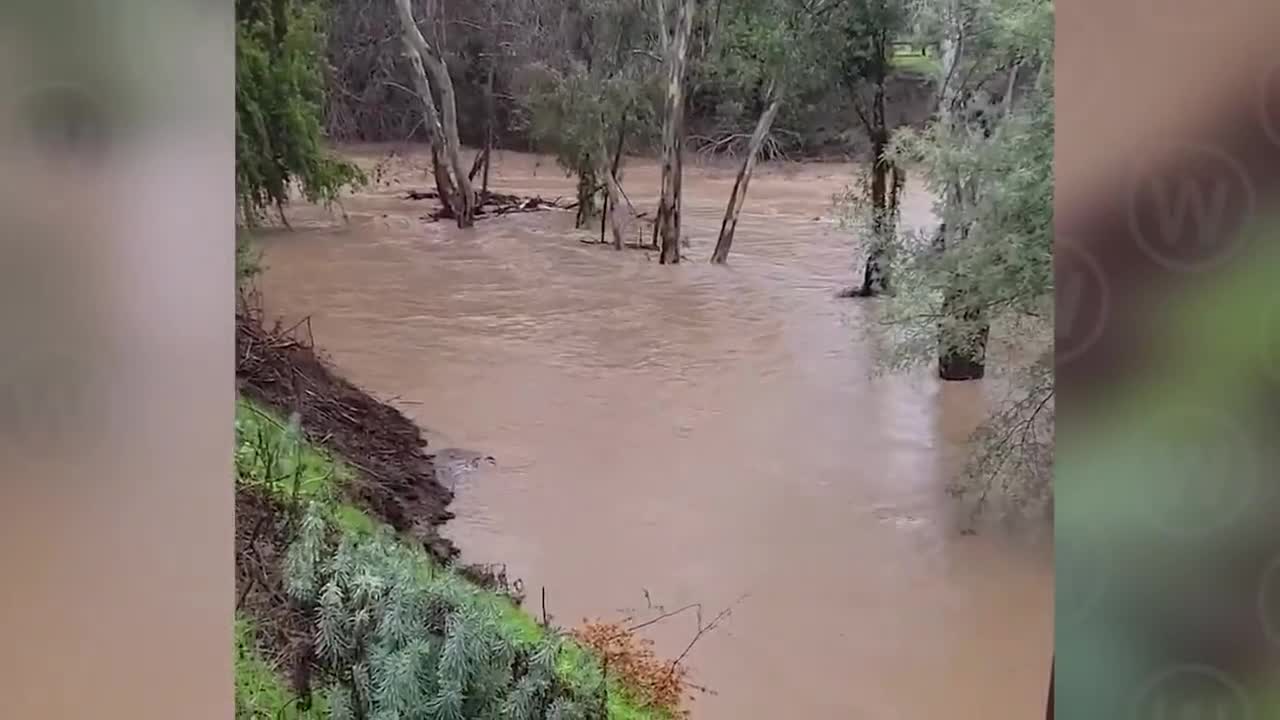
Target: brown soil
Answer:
pixel 395 478
pixel 395 481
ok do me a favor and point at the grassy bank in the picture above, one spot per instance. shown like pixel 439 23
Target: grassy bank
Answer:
pixel 309 488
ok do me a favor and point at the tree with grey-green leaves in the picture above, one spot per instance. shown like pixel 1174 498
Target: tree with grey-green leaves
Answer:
pixel 590 93
pixel 982 152
pixel 859 36
pixel 984 272
pixel 764 50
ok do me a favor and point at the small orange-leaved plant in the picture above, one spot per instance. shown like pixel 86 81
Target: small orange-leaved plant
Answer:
pixel 630 658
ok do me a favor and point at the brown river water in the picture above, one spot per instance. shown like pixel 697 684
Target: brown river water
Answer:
pixel 690 434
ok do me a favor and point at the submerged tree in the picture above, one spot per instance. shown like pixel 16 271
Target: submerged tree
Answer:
pixel 676 24
pixel 861 35
pixel 591 93
pixel 764 50
pixel 279 98
pixel 988 160
pixel 430 72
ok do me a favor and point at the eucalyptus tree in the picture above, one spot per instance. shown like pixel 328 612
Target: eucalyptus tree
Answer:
pixel 990 164
pixel 429 72
pixel 987 158
pixel 675 23
pixel 592 88
pixel 764 50
pixel 860 35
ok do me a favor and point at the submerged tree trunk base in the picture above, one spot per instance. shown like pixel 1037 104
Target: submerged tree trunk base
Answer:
pixel 957 368
pixel 875 281
pixel 858 291
pixel 962 355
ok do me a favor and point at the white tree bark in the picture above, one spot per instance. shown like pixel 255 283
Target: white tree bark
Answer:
pixel 738 197
pixel 444 184
pixel 614 212
pixel 668 219
pixel 434 65
pixel 1008 92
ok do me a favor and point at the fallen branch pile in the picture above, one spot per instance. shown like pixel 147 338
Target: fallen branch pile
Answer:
pixel 493 204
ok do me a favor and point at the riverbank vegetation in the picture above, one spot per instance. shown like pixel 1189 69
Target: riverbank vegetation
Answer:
pixel 350 602
pixel 985 271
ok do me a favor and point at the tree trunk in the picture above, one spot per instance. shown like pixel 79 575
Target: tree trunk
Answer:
pixel 1008 92
pixel 444 185
pixel 875 276
pixel 613 175
pixel 587 189
pixel 491 120
pixel 1048 708
pixel 668 218
pixel 431 118
pixel 962 351
pixel 962 331
pixel 434 64
pixel 613 195
pixel 739 195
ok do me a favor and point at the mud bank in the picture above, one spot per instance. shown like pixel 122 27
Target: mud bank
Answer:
pixel 395 479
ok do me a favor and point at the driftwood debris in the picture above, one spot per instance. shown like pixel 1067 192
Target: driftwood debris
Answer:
pixel 494 204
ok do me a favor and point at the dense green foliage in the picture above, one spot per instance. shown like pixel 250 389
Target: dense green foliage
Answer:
pixel 398 639
pixel 593 86
pixel 986 271
pixel 371 594
pixel 280 92
pixel 1005 253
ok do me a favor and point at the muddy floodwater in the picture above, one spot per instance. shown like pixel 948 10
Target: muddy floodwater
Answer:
pixel 691 433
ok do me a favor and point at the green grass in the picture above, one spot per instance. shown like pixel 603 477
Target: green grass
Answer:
pixel 259 692
pixel 272 456
pixel 916 63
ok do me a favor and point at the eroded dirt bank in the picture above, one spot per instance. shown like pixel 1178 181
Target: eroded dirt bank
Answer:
pixel 395 477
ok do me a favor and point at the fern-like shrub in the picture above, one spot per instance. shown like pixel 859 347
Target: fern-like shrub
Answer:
pixel 397 638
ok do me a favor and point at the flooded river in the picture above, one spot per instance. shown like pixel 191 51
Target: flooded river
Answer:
pixel 691 433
